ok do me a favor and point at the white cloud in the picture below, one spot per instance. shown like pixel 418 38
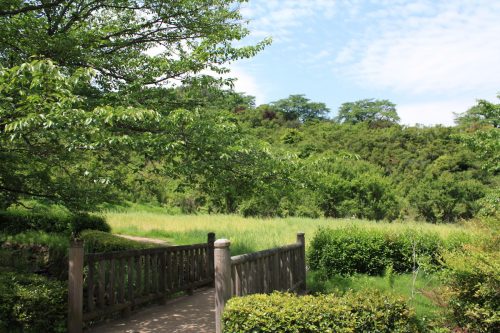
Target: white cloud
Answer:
pixel 411 48
pixel 278 18
pixel 247 83
pixel 432 113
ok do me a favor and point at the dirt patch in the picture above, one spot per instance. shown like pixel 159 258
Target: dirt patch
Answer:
pixel 145 240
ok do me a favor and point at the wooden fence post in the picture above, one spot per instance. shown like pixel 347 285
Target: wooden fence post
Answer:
pixel 222 279
pixel 301 239
pixel 211 241
pixel 75 287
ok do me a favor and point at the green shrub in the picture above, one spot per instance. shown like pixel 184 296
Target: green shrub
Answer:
pixel 351 187
pixel 353 312
pixel 350 250
pixel 13 222
pixel 98 241
pixel 474 280
pixel 82 222
pixel 35 251
pixel 32 303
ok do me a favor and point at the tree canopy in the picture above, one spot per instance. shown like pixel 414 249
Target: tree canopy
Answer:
pixel 127 42
pixel 298 107
pixel 368 110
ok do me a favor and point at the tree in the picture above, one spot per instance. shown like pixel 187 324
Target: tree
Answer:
pixel 72 130
pixel 51 148
pixel 483 114
pixel 484 121
pixel 125 41
pixel 368 110
pixel 298 107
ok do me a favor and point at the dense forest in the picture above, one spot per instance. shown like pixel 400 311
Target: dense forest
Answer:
pixel 198 149
pixel 288 159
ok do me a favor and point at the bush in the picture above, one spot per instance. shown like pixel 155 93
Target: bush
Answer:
pixel 13 222
pixel 447 197
pixel 352 250
pixel 35 251
pixel 353 312
pixel 352 188
pixel 31 303
pixel 474 281
pixel 98 241
pixel 85 221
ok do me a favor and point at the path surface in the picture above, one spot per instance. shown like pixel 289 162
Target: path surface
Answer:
pixel 186 314
pixel 144 239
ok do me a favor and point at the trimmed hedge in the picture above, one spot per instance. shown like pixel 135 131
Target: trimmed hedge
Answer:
pixel 31 303
pixel 13 222
pixel 98 241
pixel 351 250
pixel 288 313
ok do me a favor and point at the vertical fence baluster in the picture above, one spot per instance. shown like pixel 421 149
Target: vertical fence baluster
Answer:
pixel 90 285
pixel 121 281
pixel 102 282
pixel 111 282
pixel 138 276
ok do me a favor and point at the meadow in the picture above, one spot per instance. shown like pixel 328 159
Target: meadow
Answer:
pixel 252 234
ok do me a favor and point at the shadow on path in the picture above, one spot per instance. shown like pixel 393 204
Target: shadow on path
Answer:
pixel 186 314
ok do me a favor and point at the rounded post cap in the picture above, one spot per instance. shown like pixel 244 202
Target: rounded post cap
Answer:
pixel 301 233
pixel 221 243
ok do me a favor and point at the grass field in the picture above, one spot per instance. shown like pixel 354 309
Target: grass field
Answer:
pixel 247 234
pixel 252 234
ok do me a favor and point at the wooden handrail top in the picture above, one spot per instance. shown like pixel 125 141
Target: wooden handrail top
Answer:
pixel 261 254
pixel 134 253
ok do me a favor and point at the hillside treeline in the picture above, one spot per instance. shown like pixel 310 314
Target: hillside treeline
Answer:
pixel 100 103
pixel 265 161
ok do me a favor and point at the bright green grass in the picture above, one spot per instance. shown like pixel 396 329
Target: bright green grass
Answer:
pixel 247 234
pixel 402 285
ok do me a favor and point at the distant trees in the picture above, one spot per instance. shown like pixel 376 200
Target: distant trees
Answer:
pixel 298 107
pixel 368 110
pixel 484 113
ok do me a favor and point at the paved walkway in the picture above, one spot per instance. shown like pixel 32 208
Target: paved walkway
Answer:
pixel 186 314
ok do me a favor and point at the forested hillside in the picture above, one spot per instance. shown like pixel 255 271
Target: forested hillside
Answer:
pixel 87 118
pixel 289 159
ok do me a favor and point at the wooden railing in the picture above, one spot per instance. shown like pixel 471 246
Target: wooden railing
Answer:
pixel 101 284
pixel 282 269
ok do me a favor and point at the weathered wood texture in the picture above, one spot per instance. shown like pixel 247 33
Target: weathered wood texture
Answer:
pixel 222 280
pixel 119 281
pixel 75 293
pixel 282 269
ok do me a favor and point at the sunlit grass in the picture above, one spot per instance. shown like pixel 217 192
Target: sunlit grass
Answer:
pixel 419 294
pixel 248 234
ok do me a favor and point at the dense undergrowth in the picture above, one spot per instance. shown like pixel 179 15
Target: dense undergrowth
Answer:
pixel 34 265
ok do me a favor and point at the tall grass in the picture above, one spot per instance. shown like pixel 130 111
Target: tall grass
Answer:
pixel 248 234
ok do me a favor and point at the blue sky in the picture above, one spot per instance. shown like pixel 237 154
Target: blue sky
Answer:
pixel 431 58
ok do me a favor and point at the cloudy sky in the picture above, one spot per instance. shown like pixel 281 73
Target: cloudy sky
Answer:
pixel 431 58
